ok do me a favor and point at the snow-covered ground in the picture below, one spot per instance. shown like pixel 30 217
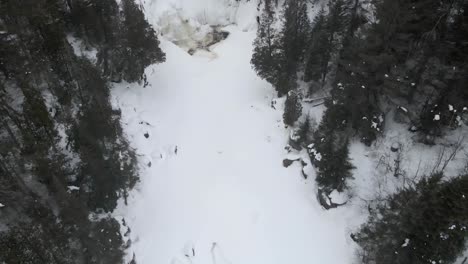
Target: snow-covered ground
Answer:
pixel 213 187
pixel 216 181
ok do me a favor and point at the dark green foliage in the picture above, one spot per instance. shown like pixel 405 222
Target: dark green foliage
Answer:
pixel 330 153
pixel 409 51
pixel 140 42
pixel 126 43
pixel 96 22
pixel 337 17
pixel 326 40
pixel 277 55
pixel 335 166
pixel 36 243
pixel 107 165
pixel 41 239
pixel 426 223
pixel 58 129
pixel 406 55
pixel 318 52
pixel 306 130
pixel 292 108
pixel 106 241
pixel 293 39
pixel 267 49
pixel 359 104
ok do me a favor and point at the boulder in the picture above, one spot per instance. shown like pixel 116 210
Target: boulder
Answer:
pixel 395 147
pixel 288 162
pixel 331 200
pixel 294 140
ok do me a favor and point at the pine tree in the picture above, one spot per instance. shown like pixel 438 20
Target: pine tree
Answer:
pixel 125 41
pixel 294 37
pixel 355 88
pixel 326 40
pixel 337 19
pixel 423 223
pixel 141 45
pixel 266 54
pixel 331 157
pixel 292 108
pixel 330 150
pixel 59 92
pixel 318 52
pixel 306 130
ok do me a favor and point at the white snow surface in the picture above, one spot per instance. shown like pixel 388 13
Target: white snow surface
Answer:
pixel 338 197
pixel 224 193
pixel 213 189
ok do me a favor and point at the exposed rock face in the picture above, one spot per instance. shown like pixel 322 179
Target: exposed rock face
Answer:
pixel 287 162
pixel 213 37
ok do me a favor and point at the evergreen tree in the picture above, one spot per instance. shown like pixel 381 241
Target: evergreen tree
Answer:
pixel 294 37
pixel 140 42
pixel 292 108
pixel 331 154
pixel 327 36
pixel 45 90
pixel 266 55
pixel 425 223
pixel 318 52
pixel 95 22
pixel 306 130
pixel 337 19
pixel 125 41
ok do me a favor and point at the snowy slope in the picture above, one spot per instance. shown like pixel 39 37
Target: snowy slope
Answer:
pixel 224 197
pixel 213 189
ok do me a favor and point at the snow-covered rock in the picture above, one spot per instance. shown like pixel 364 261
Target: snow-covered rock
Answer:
pixel 338 198
pixel 73 188
pixel 395 147
pixel 406 243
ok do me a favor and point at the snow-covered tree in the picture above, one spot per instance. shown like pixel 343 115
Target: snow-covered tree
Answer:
pixel 65 96
pixel 294 36
pixel 318 52
pixel 331 157
pixel 423 223
pixel 329 151
pixel 328 32
pixel 292 108
pixel 141 44
pixel 266 55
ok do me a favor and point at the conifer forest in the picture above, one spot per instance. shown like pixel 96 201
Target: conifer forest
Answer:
pixel 233 131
